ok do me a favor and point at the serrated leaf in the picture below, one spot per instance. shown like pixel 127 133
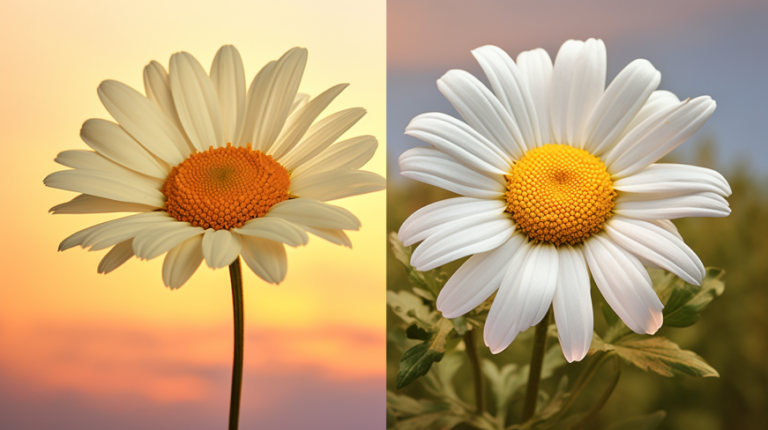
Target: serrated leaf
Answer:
pixel 403 406
pixel 645 422
pixel 411 308
pixel 504 383
pixel 416 332
pixel 686 301
pixel 598 344
pixel 417 361
pixel 661 355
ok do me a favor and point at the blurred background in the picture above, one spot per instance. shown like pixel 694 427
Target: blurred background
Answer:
pixel 709 47
pixel 80 350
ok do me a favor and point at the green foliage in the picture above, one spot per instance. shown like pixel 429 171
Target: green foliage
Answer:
pixel 417 360
pixel 686 301
pixel 661 355
pixel 645 422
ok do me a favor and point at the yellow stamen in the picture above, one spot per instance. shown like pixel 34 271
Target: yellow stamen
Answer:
pixel 559 194
pixel 223 188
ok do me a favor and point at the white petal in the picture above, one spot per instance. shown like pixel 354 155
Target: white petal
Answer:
pixel 87 204
pixel 657 136
pixel 652 206
pixel 524 296
pixel 274 228
pixel 116 256
pixel 196 102
pixel 461 238
pixel 158 90
pixel 337 184
pixel 460 141
pixel 482 111
pixel 618 105
pixel 320 136
pixel 655 244
pixel 511 89
pixel 299 101
pixel 674 178
pixel 536 68
pixel 624 283
pixel 90 160
pixel 313 213
pixel 350 154
pixel 228 78
pixel 154 241
pixel 668 226
pixel 270 101
pixel 220 247
pixel 572 303
pixel 337 237
pixel 115 231
pixel 109 185
pixel 266 258
pixel 434 167
pixel 143 120
pixel 182 261
pixel 429 219
pixel 111 141
pixel 477 279
pixel 658 100
pixel 300 121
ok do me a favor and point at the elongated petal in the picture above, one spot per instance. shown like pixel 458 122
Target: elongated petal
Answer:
pixel 434 167
pixel 658 100
pixel 109 185
pixel 536 69
pixel 320 136
pixel 220 247
pixel 144 121
pixel 429 219
pixel 477 279
pixel 266 258
pixel 90 160
pixel 158 90
pixel 112 232
pixel 524 296
pixel 674 178
pixel 621 101
pixel 196 102
pixel 337 184
pixel 300 122
pixel 482 111
pixel 116 257
pixel 228 78
pixel 655 244
pixel 460 141
pixel 511 89
pixel 87 204
pixel 624 283
pixel 657 136
pixel 461 238
pixel 153 242
pixel 314 213
pixel 668 226
pixel 337 237
pixel 256 101
pixel 572 303
pixel 299 101
pixel 182 261
pixel 350 154
pixel 111 141
pixel 652 206
pixel 274 228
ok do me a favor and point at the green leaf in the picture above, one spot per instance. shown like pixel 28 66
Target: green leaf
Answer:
pixel 446 370
pixel 417 278
pixel 416 332
pixel 403 406
pixel 411 308
pixel 645 422
pixel 661 355
pixel 686 301
pixel 417 361
pixel 598 344
pixel 504 383
pixel 460 325
pixel 438 421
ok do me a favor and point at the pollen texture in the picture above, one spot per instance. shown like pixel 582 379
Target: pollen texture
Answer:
pixel 223 188
pixel 559 194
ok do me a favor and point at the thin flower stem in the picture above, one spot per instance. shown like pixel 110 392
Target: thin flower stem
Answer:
pixel 474 362
pixel 236 277
pixel 537 361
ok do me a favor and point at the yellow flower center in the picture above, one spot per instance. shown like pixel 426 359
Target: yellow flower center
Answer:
pixel 223 188
pixel 559 194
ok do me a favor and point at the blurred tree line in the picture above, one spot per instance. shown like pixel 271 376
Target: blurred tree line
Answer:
pixel 732 334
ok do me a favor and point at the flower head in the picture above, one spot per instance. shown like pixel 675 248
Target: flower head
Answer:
pixel 558 179
pixel 215 172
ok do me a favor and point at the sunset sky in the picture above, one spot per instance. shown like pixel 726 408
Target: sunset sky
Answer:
pixel 82 350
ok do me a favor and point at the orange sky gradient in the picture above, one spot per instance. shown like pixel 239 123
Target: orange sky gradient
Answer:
pixel 70 335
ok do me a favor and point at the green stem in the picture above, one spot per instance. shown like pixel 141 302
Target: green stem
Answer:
pixel 474 362
pixel 236 277
pixel 603 398
pixel 537 362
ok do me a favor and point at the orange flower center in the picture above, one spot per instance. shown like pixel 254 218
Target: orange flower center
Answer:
pixel 559 194
pixel 223 188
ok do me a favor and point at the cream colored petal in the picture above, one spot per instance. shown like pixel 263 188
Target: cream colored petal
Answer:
pixel 182 261
pixel 196 102
pixel 158 90
pixel 116 256
pixel 274 228
pixel 109 185
pixel 336 237
pixel 313 213
pixel 87 204
pixel 154 242
pixel 298 102
pixel 350 154
pixel 221 247
pixel 266 258
pixel 337 184
pixel 256 100
pixel 111 141
pixel 115 231
pixel 228 78
pixel 89 160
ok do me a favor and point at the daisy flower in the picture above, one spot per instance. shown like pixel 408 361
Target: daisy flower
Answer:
pixel 558 179
pixel 214 172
